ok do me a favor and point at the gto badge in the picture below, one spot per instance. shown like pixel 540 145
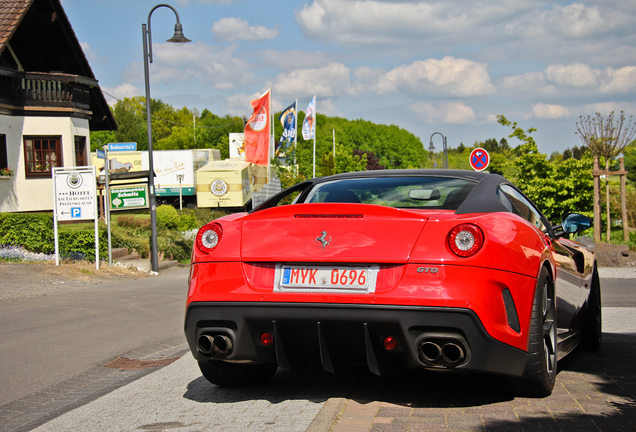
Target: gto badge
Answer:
pixel 427 269
pixel 322 239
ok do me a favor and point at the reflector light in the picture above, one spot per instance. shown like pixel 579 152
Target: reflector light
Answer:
pixel 465 240
pixel 209 237
pixel 267 338
pixel 390 343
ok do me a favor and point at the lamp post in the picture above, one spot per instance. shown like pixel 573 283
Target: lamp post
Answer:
pixel 432 147
pixel 178 38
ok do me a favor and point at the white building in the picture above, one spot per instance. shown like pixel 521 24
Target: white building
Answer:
pixel 49 101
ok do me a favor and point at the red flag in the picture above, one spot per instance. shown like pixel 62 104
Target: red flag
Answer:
pixel 257 132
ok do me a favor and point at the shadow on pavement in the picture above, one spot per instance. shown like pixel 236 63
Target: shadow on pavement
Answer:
pixel 594 391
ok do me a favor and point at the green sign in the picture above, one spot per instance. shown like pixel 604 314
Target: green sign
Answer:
pixel 126 198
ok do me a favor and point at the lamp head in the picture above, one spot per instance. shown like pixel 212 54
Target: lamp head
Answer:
pixel 178 38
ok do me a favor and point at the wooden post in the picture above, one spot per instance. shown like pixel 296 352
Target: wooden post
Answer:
pixel 624 202
pixel 597 200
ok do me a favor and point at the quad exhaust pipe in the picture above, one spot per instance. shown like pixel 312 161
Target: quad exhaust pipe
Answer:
pixel 218 346
pixel 442 351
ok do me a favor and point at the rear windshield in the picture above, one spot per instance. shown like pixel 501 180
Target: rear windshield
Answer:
pixel 399 192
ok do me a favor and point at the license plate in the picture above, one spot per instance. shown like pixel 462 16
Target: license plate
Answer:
pixel 304 278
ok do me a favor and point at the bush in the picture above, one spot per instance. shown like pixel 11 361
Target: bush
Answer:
pixel 167 217
pixel 34 231
pixel 187 222
pixel 175 246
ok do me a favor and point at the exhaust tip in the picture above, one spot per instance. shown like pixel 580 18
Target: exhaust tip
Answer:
pixel 430 352
pixel 219 346
pixel 222 346
pixel 204 344
pixel 452 354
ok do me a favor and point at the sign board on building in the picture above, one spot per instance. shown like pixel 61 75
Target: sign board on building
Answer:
pixel 127 146
pixel 129 197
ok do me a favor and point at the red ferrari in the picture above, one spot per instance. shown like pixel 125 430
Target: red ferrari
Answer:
pixel 392 271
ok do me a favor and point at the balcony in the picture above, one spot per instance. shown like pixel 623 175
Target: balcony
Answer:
pixel 42 93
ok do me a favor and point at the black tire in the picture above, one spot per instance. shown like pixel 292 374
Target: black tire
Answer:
pixel 539 375
pixel 593 323
pixel 237 374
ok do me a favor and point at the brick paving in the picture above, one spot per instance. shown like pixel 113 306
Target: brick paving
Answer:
pixel 593 392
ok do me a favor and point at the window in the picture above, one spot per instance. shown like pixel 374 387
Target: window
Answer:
pixel 521 206
pixel 41 155
pixel 80 151
pixel 400 192
pixel 4 160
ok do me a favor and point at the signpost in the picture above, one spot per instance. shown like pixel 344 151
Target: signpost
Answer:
pixel 75 196
pixel 479 159
pixel 127 146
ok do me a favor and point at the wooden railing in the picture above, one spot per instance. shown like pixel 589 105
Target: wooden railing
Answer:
pixel 35 89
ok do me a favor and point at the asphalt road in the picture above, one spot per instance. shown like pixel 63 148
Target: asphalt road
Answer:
pixel 618 292
pixel 47 340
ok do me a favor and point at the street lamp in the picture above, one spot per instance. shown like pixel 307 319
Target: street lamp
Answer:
pixel 432 147
pixel 178 39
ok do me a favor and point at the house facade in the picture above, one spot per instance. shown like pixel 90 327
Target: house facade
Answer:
pixel 49 102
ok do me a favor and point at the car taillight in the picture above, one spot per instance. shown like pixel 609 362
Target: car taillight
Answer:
pixel 465 240
pixel 209 237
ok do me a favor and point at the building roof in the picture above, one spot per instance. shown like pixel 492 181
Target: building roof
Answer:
pixel 11 13
pixel 40 36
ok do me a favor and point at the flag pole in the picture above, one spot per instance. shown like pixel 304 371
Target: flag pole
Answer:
pixel 270 140
pixel 295 133
pixel 315 129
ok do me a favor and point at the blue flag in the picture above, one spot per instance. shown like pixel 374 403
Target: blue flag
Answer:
pixel 286 142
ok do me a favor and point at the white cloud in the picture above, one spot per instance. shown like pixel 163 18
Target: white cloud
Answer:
pixel 196 61
pixel 451 76
pixel 378 22
pixel 577 20
pixel 621 80
pixel 327 81
pixel 122 91
pixel 576 75
pixel 550 112
pixel 233 29
pixel 448 113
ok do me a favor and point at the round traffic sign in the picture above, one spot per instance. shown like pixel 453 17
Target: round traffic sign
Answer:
pixel 479 159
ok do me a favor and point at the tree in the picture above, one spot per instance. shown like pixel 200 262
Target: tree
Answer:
pixel 557 187
pixel 606 137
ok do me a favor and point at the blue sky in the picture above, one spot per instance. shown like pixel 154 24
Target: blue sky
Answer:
pixel 433 66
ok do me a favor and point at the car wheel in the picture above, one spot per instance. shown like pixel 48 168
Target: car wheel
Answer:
pixel 592 326
pixel 540 373
pixel 237 374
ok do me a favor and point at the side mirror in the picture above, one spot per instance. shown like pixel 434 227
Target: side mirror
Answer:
pixel 576 223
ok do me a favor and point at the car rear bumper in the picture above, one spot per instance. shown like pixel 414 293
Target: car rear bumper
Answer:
pixel 337 337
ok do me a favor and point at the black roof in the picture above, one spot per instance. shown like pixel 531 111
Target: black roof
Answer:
pixel 482 199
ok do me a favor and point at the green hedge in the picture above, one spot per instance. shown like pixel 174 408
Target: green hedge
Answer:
pixel 34 232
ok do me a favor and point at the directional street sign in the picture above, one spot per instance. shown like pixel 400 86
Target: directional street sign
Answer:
pixel 127 146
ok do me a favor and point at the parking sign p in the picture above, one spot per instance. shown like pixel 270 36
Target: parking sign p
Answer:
pixel 76 212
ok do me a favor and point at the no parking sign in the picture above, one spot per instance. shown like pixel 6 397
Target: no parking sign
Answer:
pixel 479 159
